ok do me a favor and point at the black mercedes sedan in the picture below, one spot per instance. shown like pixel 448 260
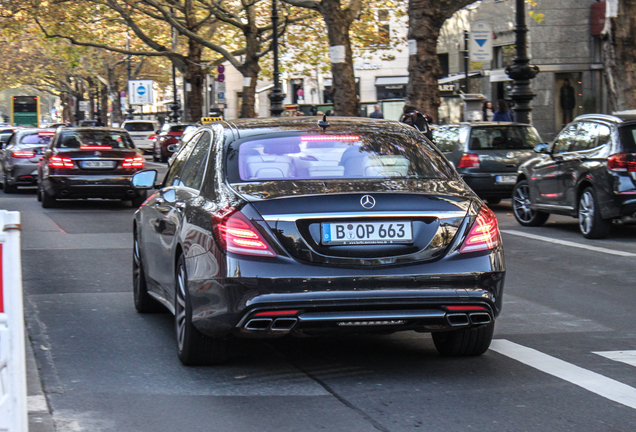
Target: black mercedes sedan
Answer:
pixel 303 226
pixel 91 162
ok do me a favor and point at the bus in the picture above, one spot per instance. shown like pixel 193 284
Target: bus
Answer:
pixel 25 111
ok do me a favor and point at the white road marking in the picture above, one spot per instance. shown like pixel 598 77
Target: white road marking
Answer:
pixel 628 357
pixel 570 244
pixel 591 381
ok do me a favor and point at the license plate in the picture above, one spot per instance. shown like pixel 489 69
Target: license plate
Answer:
pixel 358 233
pixel 138 137
pixel 98 164
pixel 506 179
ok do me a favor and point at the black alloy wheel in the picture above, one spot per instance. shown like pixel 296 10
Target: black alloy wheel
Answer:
pixel 591 223
pixel 464 342
pixel 144 302
pixel 525 215
pixel 193 348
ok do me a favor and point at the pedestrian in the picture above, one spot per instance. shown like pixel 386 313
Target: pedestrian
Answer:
pixel 412 117
pixel 567 101
pixel 99 122
pixel 502 113
pixel 486 109
pixel 377 114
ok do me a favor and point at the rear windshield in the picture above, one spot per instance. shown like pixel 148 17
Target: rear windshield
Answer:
pixel 177 128
pixel 36 138
pixel 627 135
pixel 376 156
pixel 504 138
pixel 139 127
pixel 86 138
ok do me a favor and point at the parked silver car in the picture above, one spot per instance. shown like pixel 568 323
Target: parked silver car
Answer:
pixel 487 154
pixel 19 157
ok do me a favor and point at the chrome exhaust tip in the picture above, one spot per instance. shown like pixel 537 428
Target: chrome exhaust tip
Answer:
pixel 259 324
pixel 457 319
pixel 283 324
pixel 480 318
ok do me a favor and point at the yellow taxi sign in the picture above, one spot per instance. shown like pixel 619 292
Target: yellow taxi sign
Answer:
pixel 210 119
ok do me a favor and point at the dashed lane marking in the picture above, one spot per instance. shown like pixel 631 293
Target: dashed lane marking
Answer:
pixel 570 244
pixel 591 381
pixel 628 357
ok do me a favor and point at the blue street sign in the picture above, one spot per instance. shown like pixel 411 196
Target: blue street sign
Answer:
pixel 141 90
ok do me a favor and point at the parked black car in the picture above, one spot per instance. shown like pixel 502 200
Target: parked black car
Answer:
pixel 89 163
pixel 589 172
pixel 487 154
pixel 19 157
pixel 263 228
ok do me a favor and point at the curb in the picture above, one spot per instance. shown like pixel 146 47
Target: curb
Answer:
pixel 40 418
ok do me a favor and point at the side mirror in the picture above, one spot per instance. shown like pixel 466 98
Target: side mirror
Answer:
pixel 144 179
pixel 542 148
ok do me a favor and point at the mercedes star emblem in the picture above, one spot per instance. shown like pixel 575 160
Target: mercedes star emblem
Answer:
pixel 98 153
pixel 367 201
pixel 510 155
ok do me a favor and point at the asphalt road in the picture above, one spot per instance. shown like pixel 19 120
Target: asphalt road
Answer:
pixel 563 359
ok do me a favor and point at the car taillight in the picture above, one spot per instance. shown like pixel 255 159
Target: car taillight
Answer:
pixel 60 162
pixel 151 137
pixel 133 162
pixel 484 234
pixel 23 154
pixel 469 160
pixel 623 162
pixel 235 233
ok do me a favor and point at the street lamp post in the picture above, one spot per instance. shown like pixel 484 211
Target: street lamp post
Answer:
pixel 276 96
pixel 521 72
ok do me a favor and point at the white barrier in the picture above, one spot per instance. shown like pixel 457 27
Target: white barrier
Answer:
pixel 13 393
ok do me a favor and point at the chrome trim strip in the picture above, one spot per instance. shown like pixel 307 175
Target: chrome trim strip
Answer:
pixel 374 315
pixel 355 215
pixel 553 206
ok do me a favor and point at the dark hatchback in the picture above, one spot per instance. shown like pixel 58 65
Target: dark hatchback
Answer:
pixel 588 172
pixel 89 163
pixel 487 154
pixel 264 228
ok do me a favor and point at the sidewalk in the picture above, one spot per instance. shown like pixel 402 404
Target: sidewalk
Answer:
pixel 40 420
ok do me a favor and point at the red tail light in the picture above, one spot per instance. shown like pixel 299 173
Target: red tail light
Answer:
pixel 154 136
pixel 469 160
pixel 622 162
pixel 235 233
pixel 23 154
pixel 96 148
pixel 134 162
pixel 50 134
pixel 60 162
pixel 484 234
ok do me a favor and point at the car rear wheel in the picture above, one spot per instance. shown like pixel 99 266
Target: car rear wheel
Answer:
pixel 493 201
pixel 193 347
pixel 155 158
pixel 525 215
pixel 464 342
pixel 591 224
pixel 48 201
pixel 39 193
pixel 8 188
pixel 138 200
pixel 144 303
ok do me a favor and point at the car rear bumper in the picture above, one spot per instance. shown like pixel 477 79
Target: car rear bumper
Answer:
pixel 23 174
pixel 90 186
pixel 331 300
pixel 486 185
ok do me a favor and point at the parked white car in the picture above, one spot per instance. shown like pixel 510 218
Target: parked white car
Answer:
pixel 143 133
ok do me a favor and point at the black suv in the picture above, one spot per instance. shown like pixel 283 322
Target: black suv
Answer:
pixel 589 172
pixel 487 154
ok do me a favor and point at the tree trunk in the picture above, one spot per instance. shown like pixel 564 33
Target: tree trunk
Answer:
pixel 343 86
pixel 250 72
pixel 619 52
pixel 103 104
pixel 426 18
pixel 195 76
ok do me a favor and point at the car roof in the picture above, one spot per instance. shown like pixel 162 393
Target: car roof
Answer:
pixel 140 121
pixel 617 117
pixel 485 123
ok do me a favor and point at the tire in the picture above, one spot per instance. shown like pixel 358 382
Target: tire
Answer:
pixel 48 201
pixel 493 201
pixel 164 157
pixel 154 154
pixel 193 348
pixel 138 200
pixel 39 193
pixel 144 302
pixel 591 224
pixel 464 342
pixel 521 206
pixel 8 188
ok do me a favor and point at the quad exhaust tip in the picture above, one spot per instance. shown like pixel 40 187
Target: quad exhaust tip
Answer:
pixel 462 319
pixel 277 325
